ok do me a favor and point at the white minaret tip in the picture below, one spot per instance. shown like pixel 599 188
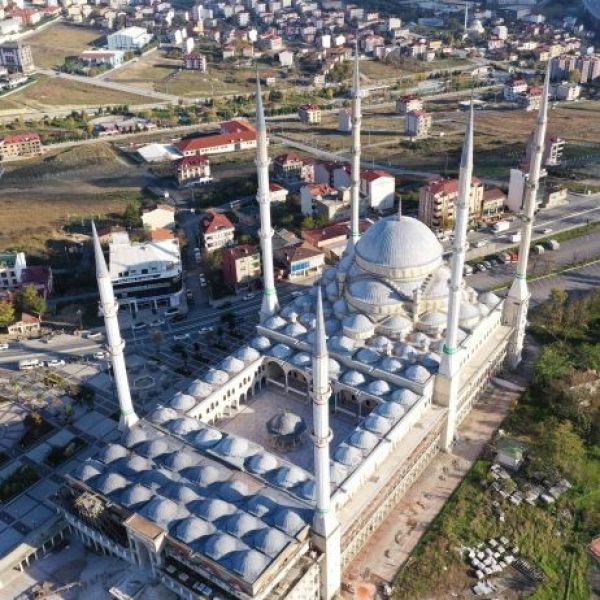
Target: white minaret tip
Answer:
pixel 260 112
pixel 356 72
pixel 320 343
pixel 466 159
pixel 101 268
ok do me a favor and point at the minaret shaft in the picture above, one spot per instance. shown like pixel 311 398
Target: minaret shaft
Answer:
pixel 517 301
pixel 109 309
pixel 355 167
pixel 270 303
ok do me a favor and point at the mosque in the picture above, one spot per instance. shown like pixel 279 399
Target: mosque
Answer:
pixel 363 379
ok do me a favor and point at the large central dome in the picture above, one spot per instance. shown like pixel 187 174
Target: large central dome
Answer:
pixel 399 247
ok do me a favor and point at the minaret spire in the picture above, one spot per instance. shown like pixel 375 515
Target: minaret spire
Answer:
pixel 325 528
pixel 517 301
pixel 109 308
pixel 270 304
pixel 449 379
pixel 355 173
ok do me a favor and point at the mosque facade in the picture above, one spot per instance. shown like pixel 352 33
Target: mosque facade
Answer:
pixel 390 341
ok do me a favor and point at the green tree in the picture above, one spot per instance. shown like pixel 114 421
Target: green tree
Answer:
pixel 575 76
pixel 133 214
pixel 552 364
pixel 7 313
pixel 28 300
pixel 308 223
pixel 559 447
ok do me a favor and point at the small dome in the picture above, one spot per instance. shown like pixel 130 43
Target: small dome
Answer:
pixel 179 460
pixel 288 477
pixel 153 479
pixel 334 367
pixel 260 505
pixel 289 312
pixel 234 447
pixel 152 449
pixel 353 378
pixel 379 343
pixel 107 483
pixel 391 364
pixel 249 564
pixel 396 326
pixel 260 343
pixel 332 327
pixel 86 471
pixel 340 308
pixel 329 274
pixel 163 415
pixel 200 389
pixel 179 492
pixel 281 351
pixel 203 475
pixel 269 541
pixel 357 325
pixel 212 509
pixel 216 377
pixel 341 344
pixel 302 359
pixel 160 510
pixel 489 299
pixel 431 360
pixel 405 397
pixel 367 356
pixel 377 424
pixel 309 320
pixel 307 490
pixel 417 373
pixel 390 410
pixel 374 291
pixel 339 472
pixel 405 352
pixel 247 354
pixel 111 453
pixel 331 290
pixel 182 402
pixel 378 387
pixel 261 463
pixel 184 426
pixel 134 436
pixel 286 424
pixel 469 314
pixel 219 545
pixel 275 323
pixel 191 529
pixel 233 491
pixel 434 320
pixel 207 438
pixel 288 521
pixel 348 455
pixel 295 330
pixel 364 440
pixel 239 524
pixel 135 495
pixel 420 340
pixel 232 365
pixel 135 464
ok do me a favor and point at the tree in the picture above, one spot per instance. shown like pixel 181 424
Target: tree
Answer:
pixel 553 364
pixel 28 300
pixel 7 313
pixel 575 76
pixel 308 223
pixel 132 214
pixel 559 447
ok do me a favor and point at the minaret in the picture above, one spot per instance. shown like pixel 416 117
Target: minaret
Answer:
pixel 109 308
pixel 270 304
pixel 517 301
pixel 325 528
pixel 449 372
pixel 355 174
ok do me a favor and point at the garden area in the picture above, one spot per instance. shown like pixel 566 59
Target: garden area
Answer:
pixel 18 481
pixel 558 420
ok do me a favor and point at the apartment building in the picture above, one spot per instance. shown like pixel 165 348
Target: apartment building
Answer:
pixel 17 56
pixel 193 170
pixel 378 187
pixel 12 267
pixel 418 124
pixel 409 103
pixel 233 135
pixel 217 231
pixel 195 62
pixel 320 199
pixel 531 99
pixel 437 199
pixel 513 89
pixel 310 113
pixel 21 145
pixel 241 266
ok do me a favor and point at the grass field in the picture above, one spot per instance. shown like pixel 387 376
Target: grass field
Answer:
pixel 53 92
pixel 51 46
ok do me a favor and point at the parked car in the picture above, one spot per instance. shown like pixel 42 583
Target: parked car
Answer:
pixel 246 297
pixel 467 270
pixel 55 362
pixel 180 337
pixel 206 329
pixel 139 326
pixel 189 296
pixel 487 264
pixel 157 323
pixel 100 355
pixel 3 347
pixel 171 311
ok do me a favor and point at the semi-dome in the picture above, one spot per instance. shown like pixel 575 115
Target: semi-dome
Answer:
pixel 207 438
pixel 200 389
pixel 438 286
pixel 468 315
pixel 179 492
pixel 247 354
pixel 399 242
pixel 261 463
pixel 433 320
pixel 269 541
pixel 183 402
pixel 374 292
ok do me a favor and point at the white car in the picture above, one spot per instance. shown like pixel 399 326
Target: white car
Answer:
pixel 157 323
pixel 3 347
pixel 139 326
pixel 100 355
pixel 206 329
pixel 247 297
pixel 180 337
pixel 55 362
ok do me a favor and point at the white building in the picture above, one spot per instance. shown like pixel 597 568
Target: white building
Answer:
pixel 567 91
pixel 217 231
pixel 145 274
pixel 12 265
pixel 129 39
pixel 345 120
pixel 379 188
pixel 286 58
pixel 161 217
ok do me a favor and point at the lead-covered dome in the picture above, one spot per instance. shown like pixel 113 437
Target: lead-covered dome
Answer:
pixel 399 244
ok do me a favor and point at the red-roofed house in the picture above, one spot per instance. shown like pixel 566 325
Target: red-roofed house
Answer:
pixel 20 145
pixel 277 192
pixel 379 188
pixel 408 103
pixel 241 266
pixel 217 231
pixel 27 325
pixel 332 238
pixel 301 261
pixel 531 99
pixel 512 89
pixel 322 199
pixel 438 197
pixel 192 170
pixel 310 113
pixel 234 135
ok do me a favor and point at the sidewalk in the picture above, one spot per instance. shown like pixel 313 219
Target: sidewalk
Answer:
pixel 390 545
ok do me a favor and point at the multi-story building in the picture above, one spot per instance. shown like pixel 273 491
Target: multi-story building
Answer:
pixel 418 124
pixel 17 56
pixel 129 39
pixel 310 113
pixel 530 99
pixel 277 193
pixel 379 189
pixel 234 135
pixel 113 58
pixel 409 103
pixel 437 199
pixel 345 120
pixel 554 148
pixel 20 145
pixel 323 200
pixel 567 92
pixel 288 167
pixel 12 267
pixel 241 266
pixel 145 274
pixel 492 204
pixel 300 261
pixel 588 67
pixel 192 170
pixel 195 62
pixel 513 88
pixel 217 231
